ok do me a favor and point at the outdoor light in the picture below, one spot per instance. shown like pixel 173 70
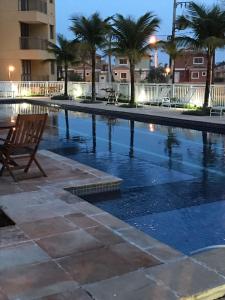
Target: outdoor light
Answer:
pixel 167 70
pixel 11 69
pixel 152 40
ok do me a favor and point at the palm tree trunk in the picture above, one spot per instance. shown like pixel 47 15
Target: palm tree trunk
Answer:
pixel 84 72
pixel 208 78
pixel 93 58
pixel 132 83
pixel 66 81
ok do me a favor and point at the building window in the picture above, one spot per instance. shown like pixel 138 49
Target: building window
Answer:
pixel 26 70
pixel 115 73
pixel 194 75
pixel 198 60
pixel 51 1
pixel 52 67
pixel 203 73
pixel 52 33
pixel 123 75
pixel 87 74
pixel 123 61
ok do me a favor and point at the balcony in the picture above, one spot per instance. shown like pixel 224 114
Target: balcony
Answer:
pixel 33 43
pixel 33 5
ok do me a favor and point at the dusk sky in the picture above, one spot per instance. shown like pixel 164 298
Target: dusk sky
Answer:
pixel 162 8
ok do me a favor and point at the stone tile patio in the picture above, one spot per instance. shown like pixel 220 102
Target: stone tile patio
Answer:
pixel 64 248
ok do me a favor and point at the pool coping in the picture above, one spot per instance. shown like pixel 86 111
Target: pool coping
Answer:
pixel 163 116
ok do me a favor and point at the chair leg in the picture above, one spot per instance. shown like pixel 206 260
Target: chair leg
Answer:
pixel 29 164
pixel 5 165
pixel 2 170
pixel 39 167
pixel 37 164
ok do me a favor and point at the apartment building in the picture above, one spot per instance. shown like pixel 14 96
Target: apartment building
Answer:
pixel 219 72
pixel 191 67
pixel 26 26
pixel 121 70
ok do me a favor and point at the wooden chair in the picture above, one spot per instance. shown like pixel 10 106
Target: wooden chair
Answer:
pixel 22 142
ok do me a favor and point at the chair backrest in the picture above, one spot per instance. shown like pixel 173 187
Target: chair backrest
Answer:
pixel 164 92
pixel 28 130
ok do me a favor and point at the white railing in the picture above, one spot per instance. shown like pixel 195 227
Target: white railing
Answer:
pixel 145 92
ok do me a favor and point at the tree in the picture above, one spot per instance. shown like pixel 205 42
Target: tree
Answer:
pixel 173 50
pixel 132 40
pixel 208 33
pixel 84 58
pixel 157 75
pixel 91 32
pixel 65 54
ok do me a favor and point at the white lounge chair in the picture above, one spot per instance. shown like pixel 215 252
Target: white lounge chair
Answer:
pixel 164 96
pixel 180 102
pixel 217 110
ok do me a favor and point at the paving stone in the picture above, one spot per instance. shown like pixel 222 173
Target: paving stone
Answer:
pixel 104 235
pixel 68 243
pixel 45 211
pixel 139 238
pixel 22 254
pixel 214 259
pixel 134 256
pixel 88 208
pixel 186 277
pixel 3 296
pixel 68 197
pixel 11 235
pixel 35 281
pixel 111 221
pixel 165 253
pixel 46 227
pixel 95 265
pixel 81 220
pixel 77 294
pixel 131 286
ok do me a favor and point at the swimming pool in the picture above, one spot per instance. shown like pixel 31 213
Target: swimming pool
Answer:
pixel 174 178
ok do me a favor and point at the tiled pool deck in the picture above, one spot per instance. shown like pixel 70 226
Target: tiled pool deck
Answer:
pixel 64 248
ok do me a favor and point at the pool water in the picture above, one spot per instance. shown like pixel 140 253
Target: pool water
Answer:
pixel 173 179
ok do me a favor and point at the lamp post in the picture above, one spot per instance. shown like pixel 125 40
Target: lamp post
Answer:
pixel 11 69
pixel 176 4
pixel 152 42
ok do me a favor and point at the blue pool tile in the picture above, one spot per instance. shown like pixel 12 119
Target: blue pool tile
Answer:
pixel 187 229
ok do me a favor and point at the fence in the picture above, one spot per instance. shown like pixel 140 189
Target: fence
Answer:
pixel 144 92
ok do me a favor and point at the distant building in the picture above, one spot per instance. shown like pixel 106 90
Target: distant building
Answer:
pixel 219 72
pixel 191 67
pixel 84 70
pixel 121 70
pixel 26 26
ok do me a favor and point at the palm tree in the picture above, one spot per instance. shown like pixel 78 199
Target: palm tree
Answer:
pixel 65 54
pixel 84 58
pixel 90 31
pixel 173 50
pixel 132 40
pixel 208 33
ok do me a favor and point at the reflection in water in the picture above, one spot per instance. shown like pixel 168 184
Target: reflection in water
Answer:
pixel 67 125
pixel 110 122
pixel 131 153
pixel 94 133
pixel 170 143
